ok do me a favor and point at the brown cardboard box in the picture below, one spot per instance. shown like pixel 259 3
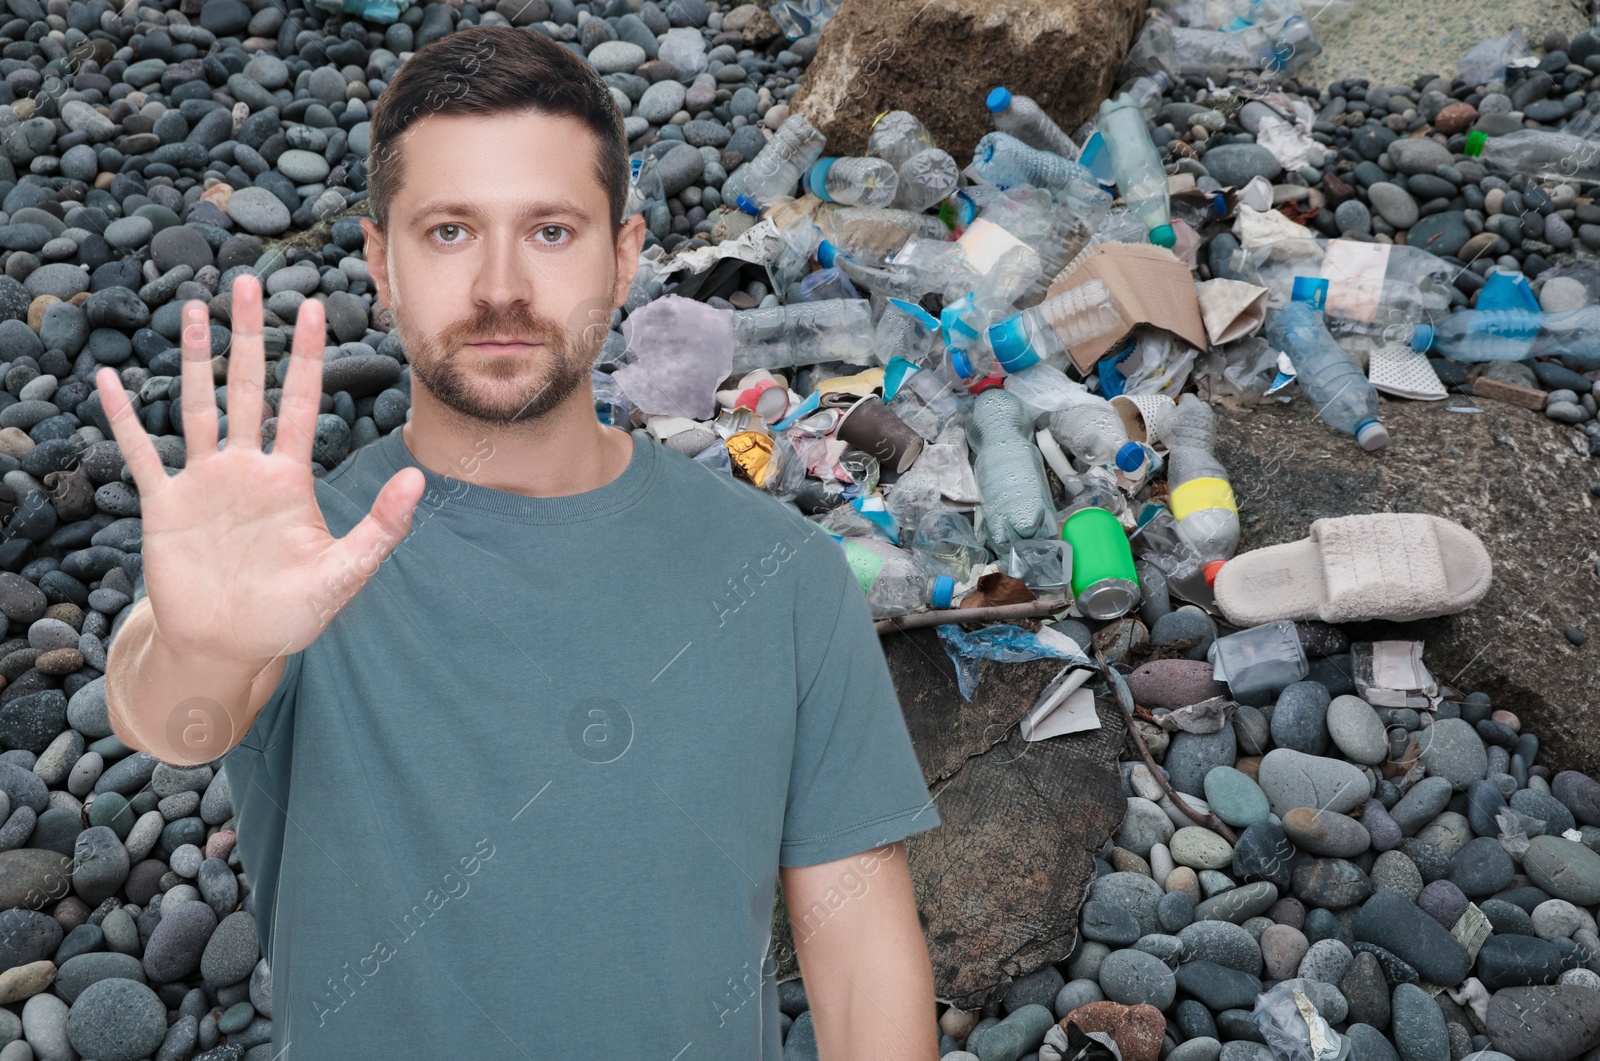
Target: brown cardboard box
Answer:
pixel 1151 286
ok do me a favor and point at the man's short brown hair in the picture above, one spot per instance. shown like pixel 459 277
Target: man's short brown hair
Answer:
pixel 494 70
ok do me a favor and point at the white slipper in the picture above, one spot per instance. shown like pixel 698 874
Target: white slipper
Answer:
pixel 1387 565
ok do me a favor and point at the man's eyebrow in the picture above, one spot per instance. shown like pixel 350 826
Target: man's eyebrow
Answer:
pixel 543 208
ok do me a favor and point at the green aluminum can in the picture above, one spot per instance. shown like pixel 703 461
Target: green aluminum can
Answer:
pixel 1103 579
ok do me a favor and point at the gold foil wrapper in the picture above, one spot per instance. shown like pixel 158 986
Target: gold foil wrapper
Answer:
pixel 752 455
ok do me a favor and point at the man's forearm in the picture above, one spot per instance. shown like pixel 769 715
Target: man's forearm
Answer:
pixel 181 709
pixel 888 1015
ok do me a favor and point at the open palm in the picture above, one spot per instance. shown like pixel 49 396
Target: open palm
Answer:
pixel 237 556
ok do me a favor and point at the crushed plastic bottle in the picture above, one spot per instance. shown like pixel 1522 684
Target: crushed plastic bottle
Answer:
pixel 806 333
pixel 856 181
pixel 1543 154
pixel 1091 431
pixel 1002 159
pixel 1329 376
pixel 926 179
pixel 1200 494
pixel 1137 165
pixel 1027 121
pixel 897 135
pixel 1047 331
pixel 1010 473
pixel 1515 335
pixel 1276 48
pixel 777 168
pixel 892 580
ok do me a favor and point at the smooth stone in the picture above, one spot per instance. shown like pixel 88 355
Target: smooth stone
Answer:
pixel 1217 986
pixel 1191 756
pixel 1452 749
pixel 1381 827
pixel 1294 779
pixel 1282 949
pixel 1223 943
pixel 1263 852
pixel 1545 1023
pixel 1393 871
pixel 1105 923
pixel 1482 868
pixel 1417 1026
pixel 1132 977
pixel 1414 155
pixel 1144 824
pixel 1331 883
pixel 1238 905
pixel 1235 165
pixel 1357 731
pixel 1366 991
pixel 1422 804
pixel 1235 797
pixel 1369 1044
pixel 1200 848
pixel 1391 922
pixel 1394 204
pixel 1326 960
pixel 1518 961
pixel 1564 868
pixel 1133 892
pixel 1300 718
pixel 1444 902
pixel 1326 832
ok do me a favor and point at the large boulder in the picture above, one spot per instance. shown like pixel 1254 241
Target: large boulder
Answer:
pixel 1516 479
pixel 938 59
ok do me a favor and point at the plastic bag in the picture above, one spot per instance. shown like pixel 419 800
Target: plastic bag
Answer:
pixel 1293 1029
pixel 1004 644
pixel 1487 60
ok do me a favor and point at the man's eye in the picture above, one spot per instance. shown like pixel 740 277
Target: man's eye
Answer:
pixel 446 231
pixel 547 230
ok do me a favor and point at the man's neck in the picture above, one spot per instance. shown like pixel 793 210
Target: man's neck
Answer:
pixel 568 451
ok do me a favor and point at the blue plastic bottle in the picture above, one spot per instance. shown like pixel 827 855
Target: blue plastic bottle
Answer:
pixel 1327 374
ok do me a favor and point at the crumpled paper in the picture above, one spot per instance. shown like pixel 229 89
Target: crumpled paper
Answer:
pixel 681 350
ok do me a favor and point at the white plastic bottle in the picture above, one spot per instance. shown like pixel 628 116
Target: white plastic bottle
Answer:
pixel 1137 165
pixel 892 580
pixel 1201 496
pixel 855 181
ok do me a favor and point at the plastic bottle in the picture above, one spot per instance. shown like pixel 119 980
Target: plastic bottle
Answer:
pixel 1046 331
pixel 776 169
pixel 926 178
pixel 874 235
pixel 892 580
pixel 1200 495
pixel 1027 121
pixel 1514 335
pixel 855 181
pixel 1002 159
pixel 945 543
pixel 1278 47
pixel 1010 472
pixel 806 333
pixel 1544 154
pixel 1091 431
pixel 1148 90
pixel 896 136
pixel 1137 165
pixel 1330 377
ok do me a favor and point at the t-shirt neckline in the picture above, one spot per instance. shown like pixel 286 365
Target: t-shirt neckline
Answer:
pixel 612 497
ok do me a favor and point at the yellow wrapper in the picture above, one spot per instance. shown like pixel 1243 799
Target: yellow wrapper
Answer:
pixel 752 455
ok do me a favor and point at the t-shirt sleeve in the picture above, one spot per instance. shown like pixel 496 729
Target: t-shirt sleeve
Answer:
pixel 855 783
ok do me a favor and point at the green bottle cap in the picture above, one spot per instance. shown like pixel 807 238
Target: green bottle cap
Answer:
pixel 1475 141
pixel 1163 236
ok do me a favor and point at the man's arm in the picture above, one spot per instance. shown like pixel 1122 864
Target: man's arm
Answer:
pixel 863 958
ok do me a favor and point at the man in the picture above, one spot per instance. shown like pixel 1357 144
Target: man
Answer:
pixel 523 716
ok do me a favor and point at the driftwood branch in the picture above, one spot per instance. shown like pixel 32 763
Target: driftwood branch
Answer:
pixel 1027 610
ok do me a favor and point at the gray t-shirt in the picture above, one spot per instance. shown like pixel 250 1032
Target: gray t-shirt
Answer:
pixel 528 793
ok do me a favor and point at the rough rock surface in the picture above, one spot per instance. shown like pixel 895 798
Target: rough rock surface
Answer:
pixel 999 884
pixel 1514 478
pixel 938 59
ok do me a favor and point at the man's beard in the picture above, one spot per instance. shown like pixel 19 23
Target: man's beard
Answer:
pixel 444 368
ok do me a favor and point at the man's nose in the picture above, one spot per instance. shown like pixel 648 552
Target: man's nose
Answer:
pixel 507 274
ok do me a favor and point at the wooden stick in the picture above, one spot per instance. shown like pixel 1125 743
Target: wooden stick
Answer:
pixel 1027 610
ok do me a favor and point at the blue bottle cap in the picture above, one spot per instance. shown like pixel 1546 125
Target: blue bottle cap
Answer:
pixel 1163 236
pixel 1219 204
pixel 960 364
pixel 944 588
pixel 816 179
pixel 1312 289
pixel 966 209
pixel 998 100
pixel 1130 457
pixel 827 254
pixel 747 205
pixel 1009 341
pixel 1422 338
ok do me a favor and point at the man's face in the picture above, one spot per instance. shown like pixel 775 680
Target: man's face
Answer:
pixel 498 261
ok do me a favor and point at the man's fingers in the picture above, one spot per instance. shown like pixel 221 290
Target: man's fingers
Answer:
pixel 246 365
pixel 198 399
pixel 359 553
pixel 302 390
pixel 132 439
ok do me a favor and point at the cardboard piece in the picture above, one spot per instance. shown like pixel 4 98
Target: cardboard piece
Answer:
pixel 1151 286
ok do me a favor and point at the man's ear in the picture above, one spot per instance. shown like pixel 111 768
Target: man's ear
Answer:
pixel 376 252
pixel 630 240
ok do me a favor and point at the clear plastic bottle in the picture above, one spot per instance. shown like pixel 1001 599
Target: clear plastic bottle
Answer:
pixel 1010 473
pixel 1543 154
pixel 1148 90
pixel 1091 431
pixel 1327 374
pixel 874 235
pixel 776 169
pixel 896 136
pixel 1274 47
pixel 1045 332
pixel 1201 497
pixel 926 178
pixel 945 543
pixel 1002 159
pixel 806 333
pixel 892 580
pixel 1137 165
pixel 1514 335
pixel 1027 121
pixel 855 181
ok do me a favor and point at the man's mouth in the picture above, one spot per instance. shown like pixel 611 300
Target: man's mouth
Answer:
pixel 502 344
